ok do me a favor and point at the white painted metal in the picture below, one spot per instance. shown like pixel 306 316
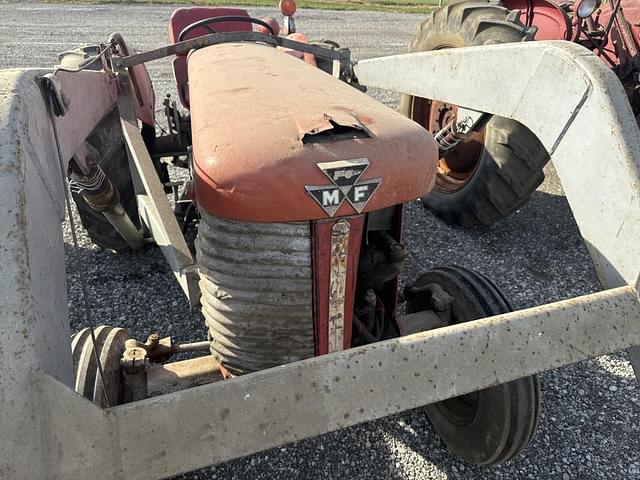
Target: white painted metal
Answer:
pixel 226 420
pixel 78 90
pixel 181 431
pixel 34 320
pixel 578 109
pixel 153 205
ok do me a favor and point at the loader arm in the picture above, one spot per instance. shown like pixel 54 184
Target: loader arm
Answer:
pixel 600 174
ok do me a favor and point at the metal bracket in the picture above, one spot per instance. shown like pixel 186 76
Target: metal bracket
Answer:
pixel 153 205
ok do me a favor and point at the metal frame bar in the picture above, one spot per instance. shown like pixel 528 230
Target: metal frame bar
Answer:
pixel 153 205
pixel 119 64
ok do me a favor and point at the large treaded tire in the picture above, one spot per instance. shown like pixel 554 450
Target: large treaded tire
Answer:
pixel 493 425
pixel 510 164
pixel 108 143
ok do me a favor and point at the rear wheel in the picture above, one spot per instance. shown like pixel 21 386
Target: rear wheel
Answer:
pixel 493 173
pixel 493 425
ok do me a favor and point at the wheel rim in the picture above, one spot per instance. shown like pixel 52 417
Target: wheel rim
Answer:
pixel 457 166
pixel 110 345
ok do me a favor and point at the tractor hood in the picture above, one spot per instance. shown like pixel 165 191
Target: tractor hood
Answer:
pixel 275 139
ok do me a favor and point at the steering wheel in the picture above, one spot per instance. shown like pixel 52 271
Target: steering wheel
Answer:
pixel 206 23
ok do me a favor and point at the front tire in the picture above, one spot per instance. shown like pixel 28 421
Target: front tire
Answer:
pixel 493 425
pixel 109 347
pixel 494 172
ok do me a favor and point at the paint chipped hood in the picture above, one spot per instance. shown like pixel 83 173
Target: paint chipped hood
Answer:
pixel 275 139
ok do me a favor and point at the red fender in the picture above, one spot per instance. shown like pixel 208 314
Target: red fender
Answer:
pixel 142 88
pixel 552 21
pixel 145 95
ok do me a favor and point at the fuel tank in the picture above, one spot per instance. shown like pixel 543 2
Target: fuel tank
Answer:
pixel 275 139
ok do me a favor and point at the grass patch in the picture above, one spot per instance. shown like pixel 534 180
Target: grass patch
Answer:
pixel 403 6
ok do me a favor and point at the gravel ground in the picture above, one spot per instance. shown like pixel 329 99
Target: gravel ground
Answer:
pixel 590 426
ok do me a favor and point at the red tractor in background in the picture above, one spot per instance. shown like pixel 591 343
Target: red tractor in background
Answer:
pixel 492 169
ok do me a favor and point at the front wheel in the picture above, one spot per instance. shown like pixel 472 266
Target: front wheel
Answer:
pixel 494 172
pixel 489 426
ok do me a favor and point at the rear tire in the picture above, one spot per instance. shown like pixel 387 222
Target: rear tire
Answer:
pixel 498 169
pixel 490 426
pixel 108 144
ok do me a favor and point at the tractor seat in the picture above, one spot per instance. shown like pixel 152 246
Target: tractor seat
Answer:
pixel 183 17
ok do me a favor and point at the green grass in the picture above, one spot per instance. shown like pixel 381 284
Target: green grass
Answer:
pixel 412 6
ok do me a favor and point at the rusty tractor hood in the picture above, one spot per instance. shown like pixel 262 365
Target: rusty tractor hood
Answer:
pixel 275 139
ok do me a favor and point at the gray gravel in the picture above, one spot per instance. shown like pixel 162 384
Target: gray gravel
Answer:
pixel 590 427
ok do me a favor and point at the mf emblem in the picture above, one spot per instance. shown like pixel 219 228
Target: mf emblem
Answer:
pixel 344 176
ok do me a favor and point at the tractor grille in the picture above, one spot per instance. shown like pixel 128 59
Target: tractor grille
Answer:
pixel 256 287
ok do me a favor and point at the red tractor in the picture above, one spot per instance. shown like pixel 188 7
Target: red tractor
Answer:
pixel 277 197
pixel 310 271
pixel 493 168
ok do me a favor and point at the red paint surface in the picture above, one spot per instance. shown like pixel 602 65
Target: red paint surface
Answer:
pixel 321 272
pixel 183 17
pixel 250 162
pixel 271 21
pixel 145 95
pixel 552 22
pixel 287 7
pixel 631 10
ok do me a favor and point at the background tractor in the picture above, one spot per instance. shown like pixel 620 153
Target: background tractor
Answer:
pixel 491 169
